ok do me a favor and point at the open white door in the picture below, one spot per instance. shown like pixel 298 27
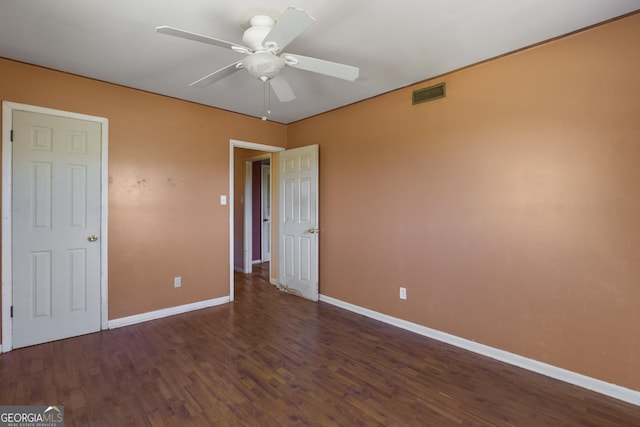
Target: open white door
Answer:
pixel 298 223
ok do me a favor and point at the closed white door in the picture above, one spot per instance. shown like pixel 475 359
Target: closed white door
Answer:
pixel 266 213
pixel 298 254
pixel 55 227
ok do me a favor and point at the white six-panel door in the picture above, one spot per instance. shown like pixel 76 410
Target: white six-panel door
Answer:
pixel 56 227
pixel 298 267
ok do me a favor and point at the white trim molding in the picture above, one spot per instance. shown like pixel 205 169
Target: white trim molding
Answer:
pixel 166 312
pixel 7 185
pixel 602 387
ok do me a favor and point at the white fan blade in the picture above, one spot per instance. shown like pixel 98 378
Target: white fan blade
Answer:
pixel 333 69
pixel 290 25
pixel 282 89
pixel 170 31
pixel 216 75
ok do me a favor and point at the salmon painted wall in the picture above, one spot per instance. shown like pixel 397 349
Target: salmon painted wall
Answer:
pixel 168 166
pixel 510 210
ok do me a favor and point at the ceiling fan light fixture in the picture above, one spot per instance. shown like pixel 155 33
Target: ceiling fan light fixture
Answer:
pixel 263 65
pixel 264 39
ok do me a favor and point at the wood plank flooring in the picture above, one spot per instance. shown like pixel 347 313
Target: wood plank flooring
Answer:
pixel 272 359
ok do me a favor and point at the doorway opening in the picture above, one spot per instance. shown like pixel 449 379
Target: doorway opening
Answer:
pixel 293 265
pixel 242 156
pixel 256 205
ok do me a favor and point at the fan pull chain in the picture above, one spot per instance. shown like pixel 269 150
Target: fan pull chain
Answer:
pixel 269 98
pixel 266 99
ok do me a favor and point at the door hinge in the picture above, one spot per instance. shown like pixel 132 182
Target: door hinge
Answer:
pixel 11 311
pixel 11 135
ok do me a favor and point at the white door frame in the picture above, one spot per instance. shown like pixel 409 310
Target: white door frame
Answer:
pixel 233 143
pixel 247 258
pixel 265 250
pixel 7 161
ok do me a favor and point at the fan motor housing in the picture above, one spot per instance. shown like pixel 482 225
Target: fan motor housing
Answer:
pixel 255 34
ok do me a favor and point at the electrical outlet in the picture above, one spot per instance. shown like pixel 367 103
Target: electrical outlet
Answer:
pixel 403 293
pixel 177 282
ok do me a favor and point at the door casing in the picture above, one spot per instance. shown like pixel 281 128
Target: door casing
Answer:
pixel 7 163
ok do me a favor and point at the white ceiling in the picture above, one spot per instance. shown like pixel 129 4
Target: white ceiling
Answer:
pixel 394 43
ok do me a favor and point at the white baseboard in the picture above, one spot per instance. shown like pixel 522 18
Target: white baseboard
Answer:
pixel 602 387
pixel 273 281
pixel 158 314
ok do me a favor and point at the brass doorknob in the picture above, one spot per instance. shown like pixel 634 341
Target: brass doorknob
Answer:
pixel 92 238
pixel 313 230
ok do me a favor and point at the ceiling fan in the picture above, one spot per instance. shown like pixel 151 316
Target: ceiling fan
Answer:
pixel 265 38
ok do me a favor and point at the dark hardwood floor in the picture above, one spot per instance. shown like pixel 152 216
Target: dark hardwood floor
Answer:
pixel 273 359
